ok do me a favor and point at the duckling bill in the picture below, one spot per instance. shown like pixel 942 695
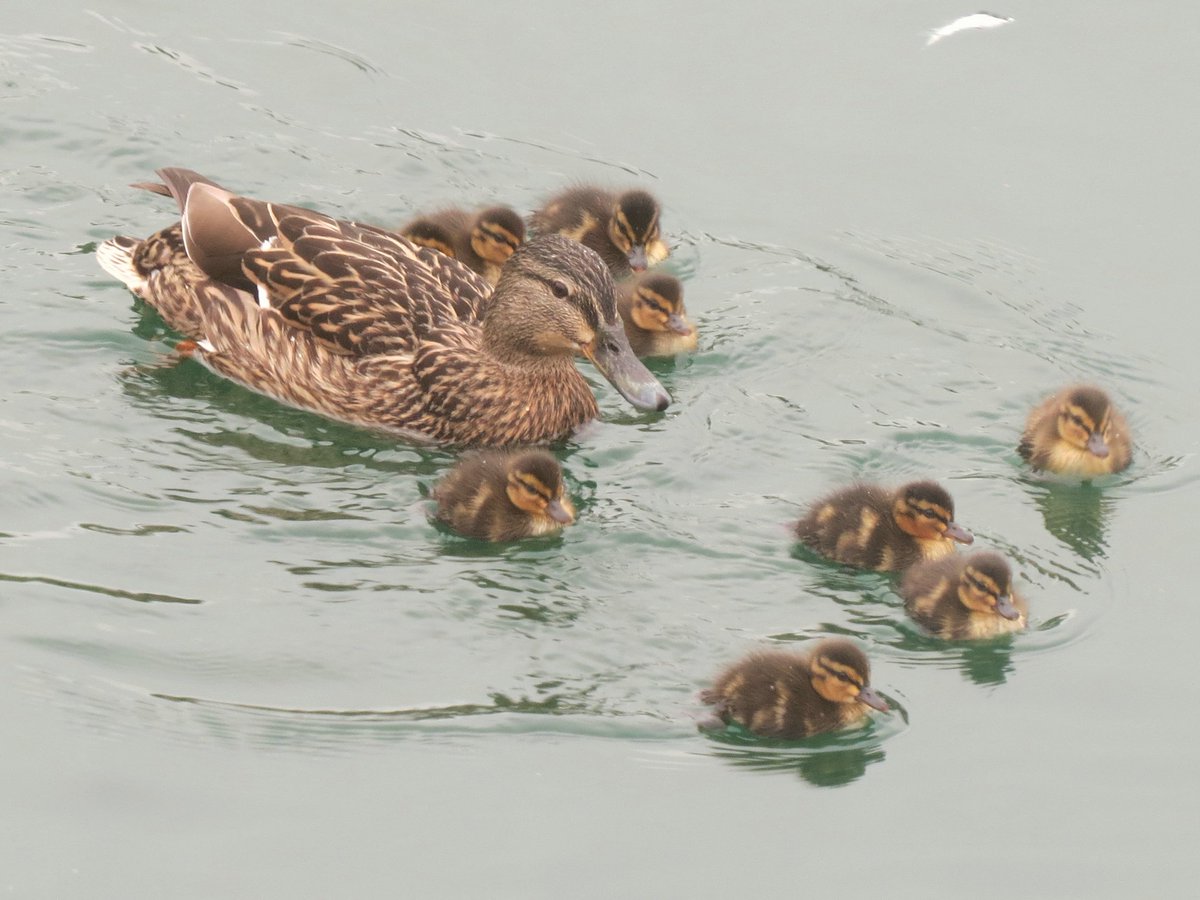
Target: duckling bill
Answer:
pixel 1077 431
pixel 872 527
pixel 788 695
pixel 504 496
pixel 361 325
pixel 964 597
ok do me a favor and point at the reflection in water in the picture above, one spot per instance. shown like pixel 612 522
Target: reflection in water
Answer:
pixel 1075 513
pixel 826 760
pixel 986 662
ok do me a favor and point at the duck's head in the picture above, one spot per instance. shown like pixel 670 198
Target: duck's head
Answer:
pixel 555 299
pixel 426 233
pixel 657 304
pixel 985 585
pixel 496 232
pixel 924 510
pixel 534 485
pixel 633 228
pixel 1084 418
pixel 841 674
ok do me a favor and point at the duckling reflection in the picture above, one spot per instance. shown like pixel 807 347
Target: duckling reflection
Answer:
pixel 1077 431
pixel 822 767
pixel 788 695
pixel 964 597
pixel 1076 514
pixel 504 496
pixel 656 323
pixel 871 527
pixel 482 241
pixel 622 228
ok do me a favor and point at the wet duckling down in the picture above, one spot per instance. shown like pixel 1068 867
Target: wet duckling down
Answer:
pixel 964 597
pixel 623 228
pixel 1077 431
pixel 872 527
pixel 656 323
pixel 789 695
pixel 482 241
pixel 495 495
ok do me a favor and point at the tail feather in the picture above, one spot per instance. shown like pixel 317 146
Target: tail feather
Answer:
pixel 116 258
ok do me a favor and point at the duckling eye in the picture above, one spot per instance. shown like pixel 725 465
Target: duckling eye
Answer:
pixel 560 289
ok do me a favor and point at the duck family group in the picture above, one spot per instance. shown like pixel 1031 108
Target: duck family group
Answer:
pixel 456 329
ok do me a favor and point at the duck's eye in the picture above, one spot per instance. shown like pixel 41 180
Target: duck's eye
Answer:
pixel 560 289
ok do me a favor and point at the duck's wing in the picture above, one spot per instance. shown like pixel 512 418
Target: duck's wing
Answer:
pixel 358 289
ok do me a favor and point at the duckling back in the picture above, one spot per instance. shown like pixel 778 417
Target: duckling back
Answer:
pixel 623 228
pixel 964 597
pixel 1077 431
pixel 504 496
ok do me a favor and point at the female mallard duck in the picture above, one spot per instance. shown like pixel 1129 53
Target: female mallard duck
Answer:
pixel 482 241
pixel 1077 431
pixel 499 496
pixel 788 695
pixel 651 306
pixel 964 597
pixel 363 326
pixel 622 228
pixel 871 527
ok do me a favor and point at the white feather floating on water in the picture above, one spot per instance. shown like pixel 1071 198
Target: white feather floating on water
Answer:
pixel 965 23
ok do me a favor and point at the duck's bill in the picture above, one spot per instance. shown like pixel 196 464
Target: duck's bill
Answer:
pixel 1005 608
pixel 678 324
pixel 871 698
pixel 956 532
pixel 559 513
pixel 1096 445
pixel 637 258
pixel 612 356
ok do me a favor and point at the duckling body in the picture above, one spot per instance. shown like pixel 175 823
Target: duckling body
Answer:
pixel 622 227
pixel 788 695
pixel 482 241
pixel 363 326
pixel 1077 431
pixel 967 596
pixel 872 527
pixel 656 323
pixel 504 496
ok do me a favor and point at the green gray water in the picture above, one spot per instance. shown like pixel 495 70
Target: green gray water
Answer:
pixel 239 661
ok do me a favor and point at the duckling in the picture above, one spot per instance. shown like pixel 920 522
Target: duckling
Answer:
pixel 871 527
pixel 1077 431
pixel 503 496
pixel 788 695
pixel 964 597
pixel 622 228
pixel 361 325
pixel 651 305
pixel 482 242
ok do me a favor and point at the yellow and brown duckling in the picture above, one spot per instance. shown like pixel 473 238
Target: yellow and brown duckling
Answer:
pixel 482 241
pixel 504 496
pixel 622 227
pixel 1077 431
pixel 656 323
pixel 964 597
pixel 788 695
pixel 872 527
pixel 361 325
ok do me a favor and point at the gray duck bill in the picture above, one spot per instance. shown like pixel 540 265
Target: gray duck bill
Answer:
pixel 615 360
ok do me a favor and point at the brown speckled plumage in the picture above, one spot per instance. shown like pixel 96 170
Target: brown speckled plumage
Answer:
pixel 495 495
pixel 622 227
pixel 873 527
pixel 365 327
pixel 789 695
pixel 964 597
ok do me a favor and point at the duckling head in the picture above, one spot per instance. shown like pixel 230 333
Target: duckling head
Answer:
pixel 426 233
pixel 496 232
pixel 554 299
pixel 633 228
pixel 658 305
pixel 925 510
pixel 534 485
pixel 1084 418
pixel 841 674
pixel 985 585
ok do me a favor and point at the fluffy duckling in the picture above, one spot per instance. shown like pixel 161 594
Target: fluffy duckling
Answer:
pixel 503 496
pixel 1077 431
pixel 964 597
pixel 871 527
pixel 622 228
pixel 482 241
pixel 788 695
pixel 651 306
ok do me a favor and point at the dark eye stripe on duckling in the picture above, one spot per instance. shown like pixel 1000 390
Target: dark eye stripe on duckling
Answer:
pixel 982 582
pixel 932 510
pixel 533 484
pixel 834 670
pixel 501 235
